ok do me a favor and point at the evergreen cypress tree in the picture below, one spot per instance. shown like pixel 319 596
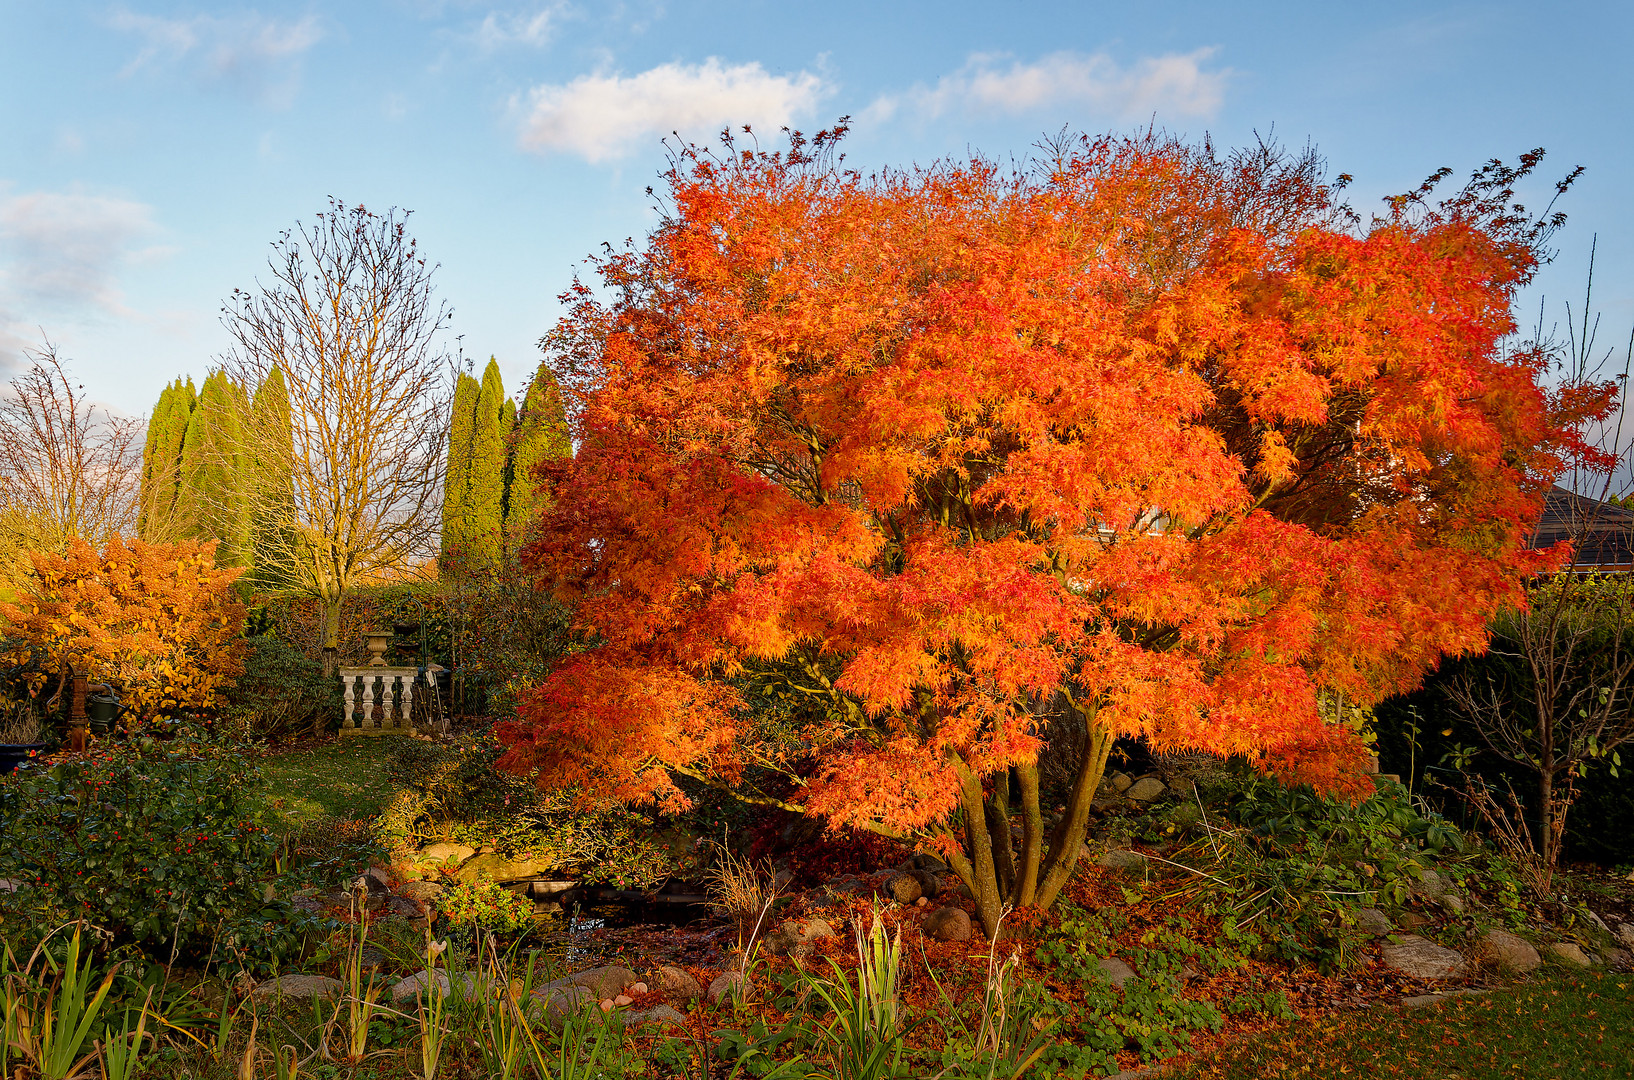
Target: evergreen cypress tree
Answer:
pixel 161 461
pixel 485 501
pixel 272 492
pixel 210 501
pixel 457 471
pixel 541 435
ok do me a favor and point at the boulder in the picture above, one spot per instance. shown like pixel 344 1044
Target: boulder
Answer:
pixel 930 886
pixel 1570 953
pixel 903 888
pixel 1421 1000
pixel 558 1003
pixel 445 852
pixel 497 868
pixel 1116 971
pixel 723 984
pixel 1431 886
pixel 1412 920
pixel 947 924
pixel 1120 859
pixel 1504 950
pixel 660 1014
pixel 1421 958
pixel 1617 958
pixel 604 982
pixel 1452 902
pixel 1372 921
pixel 796 937
pixel 299 987
pixel 924 861
pixel 412 987
pixel 1120 782
pixel 678 985
pixel 1625 934
pixel 1145 789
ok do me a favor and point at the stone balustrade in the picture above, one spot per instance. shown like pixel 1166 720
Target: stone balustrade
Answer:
pixel 377 700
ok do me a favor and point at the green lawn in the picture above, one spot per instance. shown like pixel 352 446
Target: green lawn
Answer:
pixel 1550 1029
pixel 339 781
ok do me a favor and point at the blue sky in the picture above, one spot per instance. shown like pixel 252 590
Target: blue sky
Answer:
pixel 152 150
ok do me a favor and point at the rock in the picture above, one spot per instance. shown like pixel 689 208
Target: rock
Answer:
pixel 623 1000
pixel 678 985
pixel 1569 952
pixel 445 852
pixel 795 937
pixel 930 886
pixel 1452 902
pixel 660 1014
pixel 847 885
pixel 924 861
pixel 1507 951
pixel 495 867
pixel 1412 920
pixel 412 987
pixel 1431 886
pixel 1422 959
pixel 1599 922
pixel 947 924
pixel 903 888
pixel 1121 859
pixel 604 982
pixel 299 987
pixel 1617 958
pixel 1120 782
pixel 558 1003
pixel 427 892
pixel 1116 971
pixel 1373 921
pixel 1145 789
pixel 1421 1000
pixel 1625 934
pixel 724 984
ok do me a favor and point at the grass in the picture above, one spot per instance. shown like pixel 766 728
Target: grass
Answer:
pixel 339 781
pixel 1551 1029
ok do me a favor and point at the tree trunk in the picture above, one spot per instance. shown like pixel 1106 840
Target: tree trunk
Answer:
pixel 998 831
pixel 331 636
pixel 1032 835
pixel 1068 838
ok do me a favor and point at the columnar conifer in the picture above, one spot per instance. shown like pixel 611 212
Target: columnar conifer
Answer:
pixel 541 435
pixel 161 460
pixel 272 495
pixel 457 472
pixel 211 499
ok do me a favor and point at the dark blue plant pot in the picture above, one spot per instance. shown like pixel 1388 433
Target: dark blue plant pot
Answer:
pixel 14 754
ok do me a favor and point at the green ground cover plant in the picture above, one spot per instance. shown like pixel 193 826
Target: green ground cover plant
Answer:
pixel 1568 1026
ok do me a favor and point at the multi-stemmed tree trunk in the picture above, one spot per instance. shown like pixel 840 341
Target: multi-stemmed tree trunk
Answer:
pixel 350 321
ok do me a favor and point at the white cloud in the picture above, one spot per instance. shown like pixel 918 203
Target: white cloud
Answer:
pixel 60 256
pixel 257 54
pixel 500 29
pixel 601 116
pixel 1175 84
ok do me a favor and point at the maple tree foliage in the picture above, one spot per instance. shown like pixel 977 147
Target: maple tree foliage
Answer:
pixel 1148 433
pixel 157 621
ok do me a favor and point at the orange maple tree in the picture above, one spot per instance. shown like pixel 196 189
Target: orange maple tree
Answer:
pixel 159 622
pixel 1154 436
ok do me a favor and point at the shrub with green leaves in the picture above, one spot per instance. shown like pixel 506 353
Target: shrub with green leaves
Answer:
pixel 485 905
pixel 156 842
pixel 282 694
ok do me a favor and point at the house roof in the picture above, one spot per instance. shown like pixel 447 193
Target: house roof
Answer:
pixel 1603 532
